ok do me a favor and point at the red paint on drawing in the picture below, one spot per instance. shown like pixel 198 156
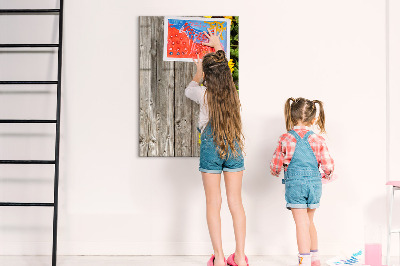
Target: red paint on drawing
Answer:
pixel 181 46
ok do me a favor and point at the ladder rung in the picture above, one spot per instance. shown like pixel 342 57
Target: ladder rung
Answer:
pixel 27 121
pixel 7 11
pixel 33 45
pixel 27 161
pixel 38 204
pixel 29 82
pixel 395 231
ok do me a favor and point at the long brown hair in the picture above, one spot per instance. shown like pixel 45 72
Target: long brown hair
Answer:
pixel 303 110
pixel 223 104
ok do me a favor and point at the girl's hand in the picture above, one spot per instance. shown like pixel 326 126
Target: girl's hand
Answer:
pixel 213 39
pixel 199 65
pixel 274 173
pixel 199 72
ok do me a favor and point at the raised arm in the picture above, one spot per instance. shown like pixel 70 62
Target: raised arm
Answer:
pixel 199 70
pixel 194 91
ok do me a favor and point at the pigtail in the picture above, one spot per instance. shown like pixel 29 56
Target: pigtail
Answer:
pixel 288 114
pixel 321 116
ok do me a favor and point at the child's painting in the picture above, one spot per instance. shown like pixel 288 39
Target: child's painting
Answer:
pixel 183 37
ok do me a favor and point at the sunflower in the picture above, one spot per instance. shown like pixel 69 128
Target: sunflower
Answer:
pixel 231 64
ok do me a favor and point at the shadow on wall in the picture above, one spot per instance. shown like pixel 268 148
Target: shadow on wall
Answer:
pixel 186 210
pixel 259 187
pixel 375 219
pixel 375 211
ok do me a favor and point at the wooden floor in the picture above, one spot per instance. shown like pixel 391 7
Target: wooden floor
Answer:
pixel 144 260
pixel 136 260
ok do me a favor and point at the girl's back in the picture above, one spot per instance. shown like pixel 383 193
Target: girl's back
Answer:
pixel 287 146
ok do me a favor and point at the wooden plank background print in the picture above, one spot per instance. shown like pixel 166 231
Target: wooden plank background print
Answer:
pixel 168 120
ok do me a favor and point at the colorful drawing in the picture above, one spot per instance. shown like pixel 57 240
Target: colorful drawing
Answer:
pixel 183 37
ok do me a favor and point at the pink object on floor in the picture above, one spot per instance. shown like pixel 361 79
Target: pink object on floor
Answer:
pixel 373 254
pixel 333 178
pixel 393 183
pixel 231 260
pixel 211 261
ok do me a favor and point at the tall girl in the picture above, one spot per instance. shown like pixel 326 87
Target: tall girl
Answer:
pixel 221 147
pixel 302 153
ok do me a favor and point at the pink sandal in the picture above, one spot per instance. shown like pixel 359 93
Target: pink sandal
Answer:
pixel 231 260
pixel 211 261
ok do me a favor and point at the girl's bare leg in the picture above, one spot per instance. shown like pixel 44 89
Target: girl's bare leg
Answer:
pixel 212 188
pixel 302 221
pixel 313 230
pixel 233 184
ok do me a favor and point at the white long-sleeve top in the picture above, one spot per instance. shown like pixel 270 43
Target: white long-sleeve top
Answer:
pixel 196 93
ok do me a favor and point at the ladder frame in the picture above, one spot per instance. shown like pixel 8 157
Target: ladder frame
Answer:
pixel 57 82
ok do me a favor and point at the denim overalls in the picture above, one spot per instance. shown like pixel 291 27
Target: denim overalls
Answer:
pixel 302 181
pixel 211 162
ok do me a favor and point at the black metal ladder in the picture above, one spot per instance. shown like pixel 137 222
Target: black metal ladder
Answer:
pixel 57 82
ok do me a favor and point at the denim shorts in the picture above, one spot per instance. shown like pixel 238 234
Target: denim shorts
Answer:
pixel 303 193
pixel 211 161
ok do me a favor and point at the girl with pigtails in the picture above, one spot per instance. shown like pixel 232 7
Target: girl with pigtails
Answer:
pixel 302 154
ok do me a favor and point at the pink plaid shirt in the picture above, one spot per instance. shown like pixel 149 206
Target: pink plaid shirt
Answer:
pixel 287 144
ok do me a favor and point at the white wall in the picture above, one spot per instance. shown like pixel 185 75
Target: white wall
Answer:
pixel 393 109
pixel 113 202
